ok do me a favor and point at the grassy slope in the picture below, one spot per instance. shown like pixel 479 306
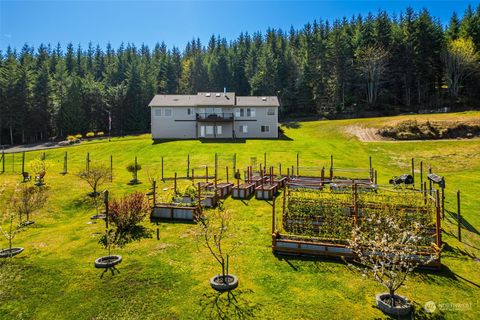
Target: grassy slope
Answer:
pixel 55 279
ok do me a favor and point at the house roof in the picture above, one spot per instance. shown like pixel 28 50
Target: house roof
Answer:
pixel 211 99
pixel 250 101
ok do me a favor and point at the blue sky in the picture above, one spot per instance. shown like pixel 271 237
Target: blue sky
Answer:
pixel 177 22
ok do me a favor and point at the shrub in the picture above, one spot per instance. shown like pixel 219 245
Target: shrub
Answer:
pixel 78 136
pixel 100 134
pixel 127 212
pixel 90 134
pixel 71 138
pixel 132 167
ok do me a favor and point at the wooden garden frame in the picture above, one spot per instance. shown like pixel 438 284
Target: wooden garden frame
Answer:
pixel 284 242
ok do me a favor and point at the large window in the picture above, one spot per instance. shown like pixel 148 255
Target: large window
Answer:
pixel 209 130
pixel 167 112
pixel 219 129
pixel 265 128
pixel 271 112
pixel 157 112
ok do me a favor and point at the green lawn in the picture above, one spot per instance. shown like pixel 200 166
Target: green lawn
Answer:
pixel 168 278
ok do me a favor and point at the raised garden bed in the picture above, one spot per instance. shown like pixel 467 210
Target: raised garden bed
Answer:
pixel 266 191
pixel 209 201
pixel 169 212
pixel 224 189
pixel 243 191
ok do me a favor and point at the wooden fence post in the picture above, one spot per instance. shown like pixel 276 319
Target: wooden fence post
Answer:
pixel 421 175
pixel 443 199
pixel 459 217
pixel 188 165
pixel 13 161
pixel 87 167
pixel 136 171
pixel 111 168
pixel 65 163
pixel 413 171
pixel 438 219
pixel 264 159
pixel 298 163
pixel 273 215
pixel 331 167
pixel 430 186
pixel 3 161
pixel 175 183
pixel 234 162
pixel 23 162
pixel 226 172
pixel 370 166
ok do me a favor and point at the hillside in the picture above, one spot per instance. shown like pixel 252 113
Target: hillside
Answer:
pixel 168 278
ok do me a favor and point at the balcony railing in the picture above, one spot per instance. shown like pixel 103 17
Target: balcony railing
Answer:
pixel 215 116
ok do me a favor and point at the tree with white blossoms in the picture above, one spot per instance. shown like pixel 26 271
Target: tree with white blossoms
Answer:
pixel 386 243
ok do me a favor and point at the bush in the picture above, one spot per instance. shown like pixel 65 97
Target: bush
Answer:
pixel 131 167
pixel 71 138
pixel 78 136
pixel 128 211
pixel 100 134
pixel 90 134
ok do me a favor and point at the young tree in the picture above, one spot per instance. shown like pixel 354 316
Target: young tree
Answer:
pixel 214 230
pixel 95 177
pixel 28 199
pixel 386 242
pixel 14 226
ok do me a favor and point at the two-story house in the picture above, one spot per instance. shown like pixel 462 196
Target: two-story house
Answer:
pixel 213 115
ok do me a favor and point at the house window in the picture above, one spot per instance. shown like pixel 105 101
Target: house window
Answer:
pixel 251 112
pixel 242 112
pixel 271 112
pixel 167 112
pixel 265 128
pixel 189 111
pixel 209 130
pixel 202 131
pixel 219 129
pixel 157 112
pixel 243 129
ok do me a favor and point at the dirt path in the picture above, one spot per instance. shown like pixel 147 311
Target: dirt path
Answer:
pixel 364 134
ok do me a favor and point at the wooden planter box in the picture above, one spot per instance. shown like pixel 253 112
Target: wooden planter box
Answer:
pixel 170 212
pixel 209 201
pixel 266 191
pixel 204 185
pixel 256 180
pixel 284 244
pixel 281 182
pixel 223 189
pixel 244 191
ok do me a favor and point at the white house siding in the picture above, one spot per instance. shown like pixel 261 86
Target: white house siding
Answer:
pixel 178 126
pixel 255 124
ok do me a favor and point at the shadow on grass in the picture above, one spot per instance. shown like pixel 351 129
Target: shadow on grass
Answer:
pixel 456 251
pixel 463 222
pixel 137 233
pixel 228 305
pixel 292 125
pixel 432 277
pixel 317 264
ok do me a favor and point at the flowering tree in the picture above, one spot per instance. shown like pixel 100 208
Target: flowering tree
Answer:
pixel 386 243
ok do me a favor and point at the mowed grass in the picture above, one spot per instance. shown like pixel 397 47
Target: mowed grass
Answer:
pixel 168 278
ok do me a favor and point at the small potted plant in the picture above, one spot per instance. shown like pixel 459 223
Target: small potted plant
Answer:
pixel 133 168
pixel 214 230
pixel 13 226
pixel 386 245
pixel 26 200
